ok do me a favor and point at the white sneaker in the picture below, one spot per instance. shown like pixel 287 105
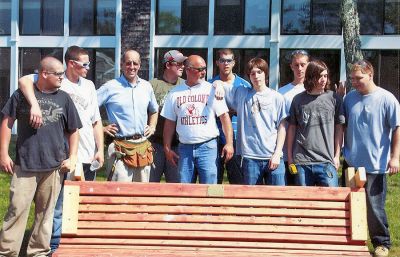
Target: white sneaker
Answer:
pixel 381 251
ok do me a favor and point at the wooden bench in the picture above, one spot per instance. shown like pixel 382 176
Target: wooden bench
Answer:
pixel 110 219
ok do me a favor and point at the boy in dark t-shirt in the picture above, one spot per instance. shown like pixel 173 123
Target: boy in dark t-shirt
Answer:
pixel 41 156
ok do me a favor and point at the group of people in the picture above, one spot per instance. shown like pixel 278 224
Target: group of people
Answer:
pixel 293 136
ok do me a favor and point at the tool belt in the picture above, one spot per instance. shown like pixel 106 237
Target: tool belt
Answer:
pixel 134 154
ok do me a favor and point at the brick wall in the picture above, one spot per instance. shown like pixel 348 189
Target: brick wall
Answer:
pixel 136 30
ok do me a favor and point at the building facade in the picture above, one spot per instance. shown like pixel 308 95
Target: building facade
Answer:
pixel 270 29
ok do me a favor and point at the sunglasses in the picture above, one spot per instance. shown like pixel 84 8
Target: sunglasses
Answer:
pixel 300 52
pixel 223 61
pixel 57 74
pixel 201 69
pixel 85 65
pixel 179 64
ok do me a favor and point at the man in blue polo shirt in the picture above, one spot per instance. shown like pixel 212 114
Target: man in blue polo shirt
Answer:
pixel 225 62
pixel 132 111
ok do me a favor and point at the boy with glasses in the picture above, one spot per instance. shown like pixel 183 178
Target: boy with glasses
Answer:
pixel 171 76
pixel 298 65
pixel 225 63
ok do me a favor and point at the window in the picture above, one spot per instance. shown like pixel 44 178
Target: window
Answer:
pixel 5 17
pixel 101 65
pixel 29 58
pixel 4 76
pixel 311 17
pixel 42 17
pixel 242 56
pixel 233 17
pixel 182 17
pixel 159 65
pixel 379 17
pixel 386 69
pixel 330 57
pixel 91 17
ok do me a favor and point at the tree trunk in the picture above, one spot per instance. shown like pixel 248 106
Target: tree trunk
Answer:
pixel 351 35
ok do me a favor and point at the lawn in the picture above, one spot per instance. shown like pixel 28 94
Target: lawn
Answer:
pixel 392 206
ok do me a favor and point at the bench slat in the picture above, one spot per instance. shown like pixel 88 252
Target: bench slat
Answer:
pixel 216 235
pixel 140 251
pixel 212 219
pixel 214 202
pixel 201 190
pixel 215 227
pixel 123 242
pixel 213 210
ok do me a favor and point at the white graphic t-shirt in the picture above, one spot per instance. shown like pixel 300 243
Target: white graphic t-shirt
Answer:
pixel 195 110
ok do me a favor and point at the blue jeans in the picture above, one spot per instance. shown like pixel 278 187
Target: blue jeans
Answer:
pixel 203 157
pixel 321 174
pixel 57 218
pixel 162 165
pixel 376 216
pixel 256 172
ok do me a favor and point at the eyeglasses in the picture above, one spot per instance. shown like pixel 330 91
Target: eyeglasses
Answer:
pixel 300 52
pixel 200 69
pixel 179 64
pixel 85 65
pixel 57 74
pixel 223 61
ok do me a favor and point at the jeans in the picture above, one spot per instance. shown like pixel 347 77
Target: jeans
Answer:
pixel 376 216
pixel 203 157
pixel 90 175
pixel 321 174
pixel 57 218
pixel 163 166
pixel 256 172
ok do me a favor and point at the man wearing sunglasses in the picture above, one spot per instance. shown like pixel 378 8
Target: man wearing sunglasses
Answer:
pixel 172 71
pixel 42 159
pixel 225 63
pixel 192 109
pixel 298 64
pixel 83 94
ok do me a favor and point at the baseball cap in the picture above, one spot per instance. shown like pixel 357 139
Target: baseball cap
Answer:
pixel 174 56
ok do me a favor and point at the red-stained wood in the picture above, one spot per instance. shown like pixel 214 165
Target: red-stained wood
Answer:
pixel 213 210
pixel 156 200
pixel 213 219
pixel 215 227
pixel 199 190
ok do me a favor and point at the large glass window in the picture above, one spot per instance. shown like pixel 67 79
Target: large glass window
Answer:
pixel 29 58
pixel 101 65
pixel 158 61
pixel 42 17
pixel 182 17
pixel 379 17
pixel 386 68
pixel 330 57
pixel 5 17
pixel 242 56
pixel 91 17
pixel 4 76
pixel 242 17
pixel 311 17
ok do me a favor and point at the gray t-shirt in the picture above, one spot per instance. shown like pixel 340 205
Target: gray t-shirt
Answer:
pixel 315 117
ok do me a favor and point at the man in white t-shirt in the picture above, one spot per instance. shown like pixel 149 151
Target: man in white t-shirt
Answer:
pixel 298 64
pixel 192 109
pixel 83 94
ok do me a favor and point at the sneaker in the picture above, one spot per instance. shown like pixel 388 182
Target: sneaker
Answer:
pixel 381 251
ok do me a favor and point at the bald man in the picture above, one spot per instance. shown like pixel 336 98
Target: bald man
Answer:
pixel 132 111
pixel 41 158
pixel 192 108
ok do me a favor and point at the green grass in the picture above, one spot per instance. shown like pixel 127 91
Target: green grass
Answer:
pixel 392 207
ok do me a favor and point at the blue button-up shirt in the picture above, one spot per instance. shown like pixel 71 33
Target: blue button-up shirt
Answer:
pixel 127 104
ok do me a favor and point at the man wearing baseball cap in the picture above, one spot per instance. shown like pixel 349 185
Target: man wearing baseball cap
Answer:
pixel 171 76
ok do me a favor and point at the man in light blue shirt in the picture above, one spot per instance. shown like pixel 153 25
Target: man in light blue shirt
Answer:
pixel 132 111
pixel 225 63
pixel 372 140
